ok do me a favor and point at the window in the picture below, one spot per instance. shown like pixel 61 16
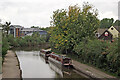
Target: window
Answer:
pixel 111 28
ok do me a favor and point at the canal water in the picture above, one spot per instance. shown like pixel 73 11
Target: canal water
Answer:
pixel 34 66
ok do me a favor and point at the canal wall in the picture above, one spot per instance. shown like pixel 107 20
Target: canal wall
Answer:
pixel 11 67
pixel 19 66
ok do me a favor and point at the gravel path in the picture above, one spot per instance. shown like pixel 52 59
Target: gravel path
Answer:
pixel 10 66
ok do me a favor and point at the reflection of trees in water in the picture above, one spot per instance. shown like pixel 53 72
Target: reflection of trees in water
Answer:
pixel 42 58
pixel 33 48
pixel 64 72
pixel 28 54
pixel 35 54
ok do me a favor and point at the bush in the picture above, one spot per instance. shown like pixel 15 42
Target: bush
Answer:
pixel 33 40
pixel 10 39
pixel 114 58
pixel 5 46
pixel 102 54
pixel 92 51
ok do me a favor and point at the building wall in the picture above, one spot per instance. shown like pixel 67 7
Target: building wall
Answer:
pixel 109 37
pixel 113 31
pixel 17 32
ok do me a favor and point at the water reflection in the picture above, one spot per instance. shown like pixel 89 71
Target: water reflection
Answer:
pixel 35 66
pixel 32 48
pixel 64 72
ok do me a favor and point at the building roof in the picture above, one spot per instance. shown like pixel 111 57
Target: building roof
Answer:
pixel 16 26
pixel 117 28
pixel 101 31
pixel 29 34
pixel 103 34
pixel 27 29
pixel 31 29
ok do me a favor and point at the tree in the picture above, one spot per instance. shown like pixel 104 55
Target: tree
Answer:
pixel 36 34
pixel 117 23
pixel 5 46
pixel 106 23
pixel 45 29
pixel 6 26
pixel 72 26
pixel 34 26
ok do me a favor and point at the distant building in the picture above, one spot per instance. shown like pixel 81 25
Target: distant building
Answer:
pixel 19 31
pixel 103 34
pixel 30 31
pixel 106 35
pixel 29 34
pixel 115 30
pixel 99 32
pixel 15 30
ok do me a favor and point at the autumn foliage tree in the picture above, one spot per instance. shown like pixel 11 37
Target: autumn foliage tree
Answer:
pixel 73 31
pixel 72 26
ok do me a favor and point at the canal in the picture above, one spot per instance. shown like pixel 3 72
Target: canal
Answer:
pixel 34 66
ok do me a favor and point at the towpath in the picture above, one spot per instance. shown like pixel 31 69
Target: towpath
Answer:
pixel 11 66
pixel 0 76
pixel 90 71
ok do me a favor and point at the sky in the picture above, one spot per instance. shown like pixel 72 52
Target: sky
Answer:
pixel 29 13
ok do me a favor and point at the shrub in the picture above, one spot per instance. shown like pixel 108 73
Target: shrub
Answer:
pixel 5 46
pixel 102 54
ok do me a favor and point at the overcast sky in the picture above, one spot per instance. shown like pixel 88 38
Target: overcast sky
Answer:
pixel 29 13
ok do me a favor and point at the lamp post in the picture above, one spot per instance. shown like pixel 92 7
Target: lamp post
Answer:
pixel 119 10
